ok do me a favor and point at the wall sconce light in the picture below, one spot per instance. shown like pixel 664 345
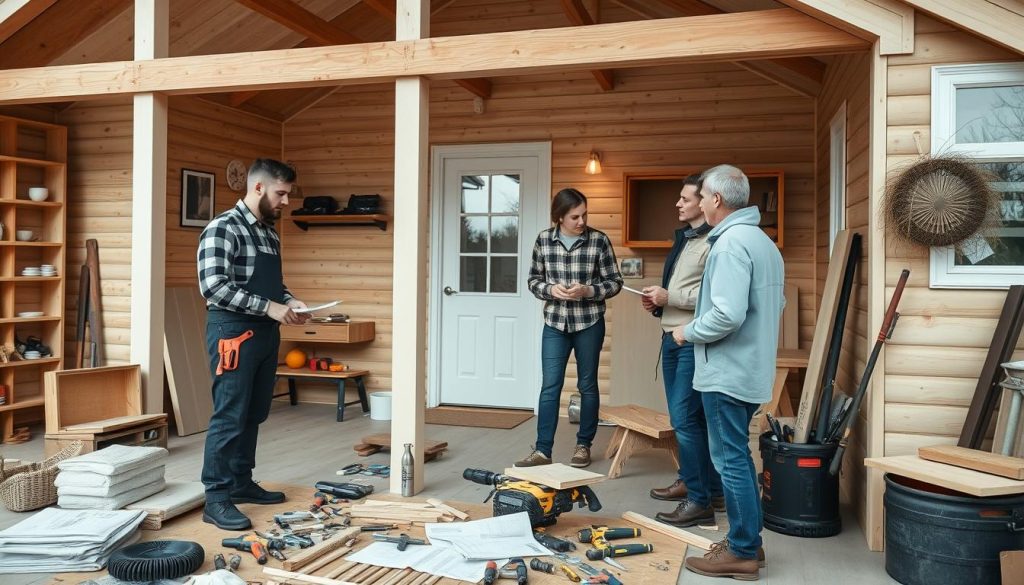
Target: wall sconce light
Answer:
pixel 593 164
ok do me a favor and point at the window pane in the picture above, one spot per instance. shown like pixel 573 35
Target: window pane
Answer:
pixel 505 234
pixel 473 236
pixel 505 194
pixel 990 114
pixel 504 274
pixel 473 274
pixel 474 193
pixel 1004 246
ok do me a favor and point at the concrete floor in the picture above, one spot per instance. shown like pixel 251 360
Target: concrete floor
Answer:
pixel 303 444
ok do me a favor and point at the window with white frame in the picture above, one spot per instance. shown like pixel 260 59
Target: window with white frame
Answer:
pixel 978 112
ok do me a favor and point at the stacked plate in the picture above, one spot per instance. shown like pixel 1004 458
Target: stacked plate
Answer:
pixel 31 271
pixel 47 270
pixel 27 314
pixel 32 355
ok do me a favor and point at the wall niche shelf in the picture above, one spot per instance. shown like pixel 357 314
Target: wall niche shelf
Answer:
pixel 304 222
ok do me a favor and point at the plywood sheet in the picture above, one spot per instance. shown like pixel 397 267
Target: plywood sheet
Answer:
pixel 186 361
pixel 113 424
pixel 174 500
pixel 970 482
pixel 983 461
pixel 556 475
pixel 635 373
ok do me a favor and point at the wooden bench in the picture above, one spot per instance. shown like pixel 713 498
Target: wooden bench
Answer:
pixel 638 429
pixel 337 377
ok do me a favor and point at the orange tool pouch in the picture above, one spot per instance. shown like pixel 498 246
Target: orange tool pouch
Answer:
pixel 229 350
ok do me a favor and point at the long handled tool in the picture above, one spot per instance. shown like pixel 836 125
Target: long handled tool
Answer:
pixel 80 318
pixel 888 324
pixel 838 328
pixel 92 260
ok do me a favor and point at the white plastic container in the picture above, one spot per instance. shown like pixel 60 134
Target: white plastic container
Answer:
pixel 380 405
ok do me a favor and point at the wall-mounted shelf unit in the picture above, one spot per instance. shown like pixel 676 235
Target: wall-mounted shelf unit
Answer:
pixel 649 199
pixel 304 222
pixel 31 154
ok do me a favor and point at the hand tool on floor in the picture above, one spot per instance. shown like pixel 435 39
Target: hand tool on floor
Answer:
pixel 352 491
pixel 219 562
pixel 596 533
pixel 491 573
pixel 606 549
pixel 403 540
pixel 234 561
pixel 539 565
pixel 515 569
pixel 572 575
pixel 850 419
pixel 552 542
pixel 248 543
pixel 615 564
pixel 542 503
pixel 229 350
pixel 319 501
pixel 285 519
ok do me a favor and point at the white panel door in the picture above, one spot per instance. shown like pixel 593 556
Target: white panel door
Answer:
pixel 488 350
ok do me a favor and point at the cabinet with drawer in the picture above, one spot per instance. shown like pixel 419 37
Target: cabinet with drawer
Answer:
pixel 353 332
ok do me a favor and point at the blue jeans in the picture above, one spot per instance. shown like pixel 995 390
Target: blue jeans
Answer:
pixel 728 421
pixel 686 413
pixel 554 351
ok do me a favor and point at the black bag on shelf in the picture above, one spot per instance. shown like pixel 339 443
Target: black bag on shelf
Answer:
pixel 318 205
pixel 363 204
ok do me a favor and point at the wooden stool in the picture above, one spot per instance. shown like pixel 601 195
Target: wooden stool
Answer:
pixel 331 377
pixel 639 429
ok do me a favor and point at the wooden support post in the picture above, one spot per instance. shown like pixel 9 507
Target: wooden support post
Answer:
pixel 149 209
pixel 409 312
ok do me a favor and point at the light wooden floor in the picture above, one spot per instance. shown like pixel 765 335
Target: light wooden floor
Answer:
pixel 303 444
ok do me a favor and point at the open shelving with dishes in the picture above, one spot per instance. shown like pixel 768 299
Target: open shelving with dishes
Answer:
pixel 33 155
pixel 648 199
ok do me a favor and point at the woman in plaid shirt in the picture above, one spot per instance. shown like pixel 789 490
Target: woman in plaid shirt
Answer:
pixel 573 271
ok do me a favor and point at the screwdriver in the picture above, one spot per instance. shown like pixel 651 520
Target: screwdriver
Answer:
pixel 490 573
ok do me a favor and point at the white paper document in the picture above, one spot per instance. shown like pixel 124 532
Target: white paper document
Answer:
pixel 490 538
pixel 633 290
pixel 58 541
pixel 440 559
pixel 317 308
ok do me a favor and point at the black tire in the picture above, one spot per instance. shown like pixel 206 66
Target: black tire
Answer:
pixel 155 560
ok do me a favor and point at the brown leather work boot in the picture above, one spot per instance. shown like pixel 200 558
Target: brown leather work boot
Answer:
pixel 720 562
pixel 686 514
pixel 674 492
pixel 533 459
pixel 580 457
pixel 761 559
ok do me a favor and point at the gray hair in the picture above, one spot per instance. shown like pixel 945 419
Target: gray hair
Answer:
pixel 730 183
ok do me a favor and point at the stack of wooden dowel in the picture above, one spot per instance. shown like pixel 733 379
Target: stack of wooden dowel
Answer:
pixel 405 512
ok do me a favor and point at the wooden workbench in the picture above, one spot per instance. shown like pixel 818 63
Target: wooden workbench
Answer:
pixel 668 553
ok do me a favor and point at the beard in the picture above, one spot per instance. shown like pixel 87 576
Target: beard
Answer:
pixel 268 214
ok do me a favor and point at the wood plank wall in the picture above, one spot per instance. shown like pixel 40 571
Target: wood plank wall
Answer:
pixel 658 118
pixel 935 357
pixel 847 80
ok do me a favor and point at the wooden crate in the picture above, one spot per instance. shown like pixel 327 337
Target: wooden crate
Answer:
pixel 91 394
pixel 151 434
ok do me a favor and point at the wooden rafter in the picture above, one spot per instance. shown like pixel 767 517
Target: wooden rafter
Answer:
pixel 998 21
pixel 63 25
pixel 15 14
pixel 724 37
pixel 579 16
pixel 891 21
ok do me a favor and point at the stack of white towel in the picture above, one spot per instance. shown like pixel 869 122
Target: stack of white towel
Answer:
pixel 111 478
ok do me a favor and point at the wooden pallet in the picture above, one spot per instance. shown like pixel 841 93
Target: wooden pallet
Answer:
pixel 374 443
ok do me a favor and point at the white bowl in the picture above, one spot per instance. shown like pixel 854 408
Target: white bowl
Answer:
pixel 24 235
pixel 30 314
pixel 38 193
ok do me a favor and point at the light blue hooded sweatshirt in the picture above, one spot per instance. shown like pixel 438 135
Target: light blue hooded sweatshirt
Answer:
pixel 736 329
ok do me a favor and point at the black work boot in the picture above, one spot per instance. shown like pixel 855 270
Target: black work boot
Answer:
pixel 254 494
pixel 225 515
pixel 686 514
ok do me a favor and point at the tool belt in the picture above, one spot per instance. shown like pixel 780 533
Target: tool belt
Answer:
pixel 229 350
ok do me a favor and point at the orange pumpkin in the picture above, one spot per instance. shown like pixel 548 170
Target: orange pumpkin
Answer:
pixel 295 358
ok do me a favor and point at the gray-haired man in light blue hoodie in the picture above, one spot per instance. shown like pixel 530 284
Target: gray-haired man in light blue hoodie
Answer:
pixel 735 334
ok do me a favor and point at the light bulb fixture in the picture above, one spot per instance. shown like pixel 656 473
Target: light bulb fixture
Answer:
pixel 593 164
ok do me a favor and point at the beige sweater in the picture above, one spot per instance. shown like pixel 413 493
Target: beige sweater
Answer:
pixel 684 285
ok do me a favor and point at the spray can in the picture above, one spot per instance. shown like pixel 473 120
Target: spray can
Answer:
pixel 407 471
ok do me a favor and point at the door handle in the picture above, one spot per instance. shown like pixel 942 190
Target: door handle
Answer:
pixel 449 291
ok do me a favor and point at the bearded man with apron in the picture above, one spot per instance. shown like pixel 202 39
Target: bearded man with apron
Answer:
pixel 240 277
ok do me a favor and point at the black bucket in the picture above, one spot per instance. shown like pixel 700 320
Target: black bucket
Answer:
pixel 937 536
pixel 798 496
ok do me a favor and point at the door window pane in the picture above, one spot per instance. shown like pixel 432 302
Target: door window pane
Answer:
pixel 505 234
pixel 474 193
pixel 504 274
pixel 505 194
pixel 473 236
pixel 989 114
pixel 473 274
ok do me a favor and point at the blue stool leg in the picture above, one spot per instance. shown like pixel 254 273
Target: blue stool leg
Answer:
pixel 362 394
pixel 341 400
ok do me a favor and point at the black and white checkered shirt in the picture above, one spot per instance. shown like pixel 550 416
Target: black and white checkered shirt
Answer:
pixel 227 256
pixel 590 261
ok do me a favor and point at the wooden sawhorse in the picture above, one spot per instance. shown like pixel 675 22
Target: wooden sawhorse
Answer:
pixel 638 429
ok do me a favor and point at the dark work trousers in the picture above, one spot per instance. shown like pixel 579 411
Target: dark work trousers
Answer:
pixel 241 401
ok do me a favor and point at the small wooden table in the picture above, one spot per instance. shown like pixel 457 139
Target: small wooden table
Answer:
pixel 337 377
pixel 638 428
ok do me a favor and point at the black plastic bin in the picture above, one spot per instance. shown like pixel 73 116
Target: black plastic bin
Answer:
pixel 937 536
pixel 798 496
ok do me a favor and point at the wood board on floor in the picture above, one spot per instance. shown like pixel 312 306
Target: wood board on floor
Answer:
pixel 983 461
pixel 186 361
pixel 556 475
pixel 967 481
pixel 113 424
pixel 174 500
pixel 667 551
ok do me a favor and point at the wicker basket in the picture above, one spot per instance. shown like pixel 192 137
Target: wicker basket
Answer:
pixel 28 487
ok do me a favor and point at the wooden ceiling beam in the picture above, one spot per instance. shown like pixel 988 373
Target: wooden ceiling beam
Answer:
pixel 386 8
pixel 15 14
pixel 579 16
pixel 891 21
pixel 998 21
pixel 302 21
pixel 716 38
pixel 54 31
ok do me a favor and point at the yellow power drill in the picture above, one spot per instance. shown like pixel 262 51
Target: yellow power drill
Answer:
pixel 542 503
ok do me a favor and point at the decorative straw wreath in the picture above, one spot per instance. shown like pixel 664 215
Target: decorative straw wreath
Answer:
pixel 940 201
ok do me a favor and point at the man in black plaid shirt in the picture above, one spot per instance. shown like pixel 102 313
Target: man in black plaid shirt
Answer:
pixel 240 277
pixel 573 271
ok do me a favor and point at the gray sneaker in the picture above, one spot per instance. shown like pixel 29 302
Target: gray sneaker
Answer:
pixel 580 457
pixel 533 459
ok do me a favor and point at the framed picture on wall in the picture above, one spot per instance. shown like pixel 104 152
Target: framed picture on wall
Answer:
pixel 631 267
pixel 197 197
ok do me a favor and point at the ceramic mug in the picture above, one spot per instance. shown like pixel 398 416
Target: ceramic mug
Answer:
pixel 38 193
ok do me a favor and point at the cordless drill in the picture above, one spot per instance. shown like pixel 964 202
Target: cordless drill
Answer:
pixel 248 543
pixel 596 533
